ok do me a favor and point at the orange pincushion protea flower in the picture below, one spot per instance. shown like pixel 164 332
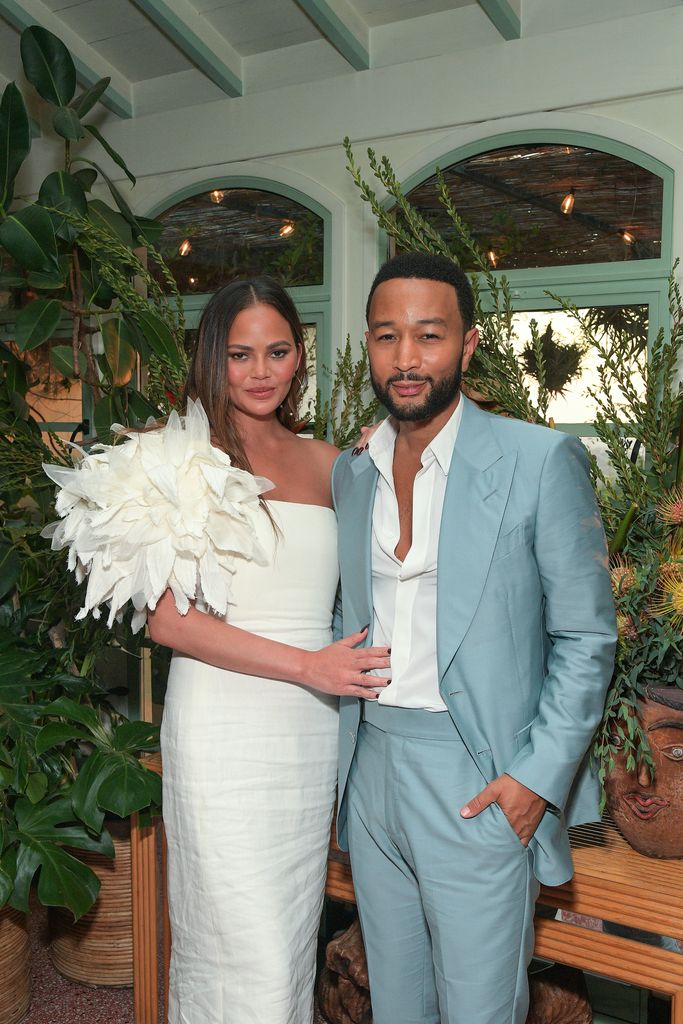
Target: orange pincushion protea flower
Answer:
pixel 670 508
pixel 626 628
pixel 621 574
pixel 668 602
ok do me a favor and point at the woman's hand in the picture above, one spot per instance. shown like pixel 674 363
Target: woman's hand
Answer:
pixel 342 667
pixel 364 439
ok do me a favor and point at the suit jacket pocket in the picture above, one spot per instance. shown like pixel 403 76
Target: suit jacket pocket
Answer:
pixel 517 537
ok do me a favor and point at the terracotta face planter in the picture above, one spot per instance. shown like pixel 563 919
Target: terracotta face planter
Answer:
pixel 649 811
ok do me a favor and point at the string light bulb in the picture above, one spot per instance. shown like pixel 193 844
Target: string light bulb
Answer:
pixel 492 258
pixel 193 281
pixel 216 195
pixel 287 229
pixel 628 237
pixel 567 204
pixel 185 247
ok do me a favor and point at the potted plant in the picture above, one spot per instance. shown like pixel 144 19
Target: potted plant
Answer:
pixel 69 264
pixel 638 400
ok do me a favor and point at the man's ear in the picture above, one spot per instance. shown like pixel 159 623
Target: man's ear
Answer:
pixel 470 342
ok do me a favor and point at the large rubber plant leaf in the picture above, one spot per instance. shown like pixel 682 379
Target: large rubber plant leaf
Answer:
pixel 159 337
pixel 15 140
pixel 48 65
pixel 103 416
pixel 29 237
pixel 63 192
pixel 120 355
pixel 116 157
pixel 66 123
pixel 103 216
pixel 87 100
pixel 36 323
pixel 61 357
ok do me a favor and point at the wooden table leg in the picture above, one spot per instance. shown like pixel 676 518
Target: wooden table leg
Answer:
pixel 677 1007
pixel 145 938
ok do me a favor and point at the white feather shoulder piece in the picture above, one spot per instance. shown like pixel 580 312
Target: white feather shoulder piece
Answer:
pixel 163 509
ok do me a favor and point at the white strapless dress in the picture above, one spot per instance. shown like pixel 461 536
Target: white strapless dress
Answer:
pixel 249 784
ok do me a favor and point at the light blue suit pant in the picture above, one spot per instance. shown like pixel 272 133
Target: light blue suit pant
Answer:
pixel 446 904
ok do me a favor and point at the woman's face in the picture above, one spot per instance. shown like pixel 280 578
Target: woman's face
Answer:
pixel 262 360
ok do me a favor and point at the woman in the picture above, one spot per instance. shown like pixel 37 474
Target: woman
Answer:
pixel 249 727
pixel 249 761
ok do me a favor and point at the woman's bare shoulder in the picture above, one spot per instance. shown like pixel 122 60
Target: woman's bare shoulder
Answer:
pixel 321 451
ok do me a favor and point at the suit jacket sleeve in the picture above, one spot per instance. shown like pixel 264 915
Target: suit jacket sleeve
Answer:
pixel 571 556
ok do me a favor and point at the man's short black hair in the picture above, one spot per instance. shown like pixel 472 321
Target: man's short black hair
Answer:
pixel 429 268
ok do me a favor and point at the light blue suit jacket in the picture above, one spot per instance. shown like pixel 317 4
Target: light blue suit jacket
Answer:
pixel 525 628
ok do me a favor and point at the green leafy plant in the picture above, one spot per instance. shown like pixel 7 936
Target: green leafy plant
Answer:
pixel 351 404
pixel 640 480
pixel 74 262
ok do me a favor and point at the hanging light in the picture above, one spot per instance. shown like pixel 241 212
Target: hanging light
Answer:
pixel 193 281
pixel 567 204
pixel 185 247
pixel 492 258
pixel 287 229
pixel 628 237
pixel 217 195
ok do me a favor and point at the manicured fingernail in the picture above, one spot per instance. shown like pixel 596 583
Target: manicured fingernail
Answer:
pixel 466 812
pixel 365 627
pixel 388 650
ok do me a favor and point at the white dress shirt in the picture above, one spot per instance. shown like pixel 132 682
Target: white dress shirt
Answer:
pixel 404 593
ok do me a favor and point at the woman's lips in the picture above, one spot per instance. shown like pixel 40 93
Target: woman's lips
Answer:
pixel 261 392
pixel 644 805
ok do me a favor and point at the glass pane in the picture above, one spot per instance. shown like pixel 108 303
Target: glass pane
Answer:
pixel 512 200
pixel 52 397
pixel 571 365
pixel 307 404
pixel 214 237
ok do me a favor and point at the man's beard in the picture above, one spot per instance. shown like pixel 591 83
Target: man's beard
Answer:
pixel 439 397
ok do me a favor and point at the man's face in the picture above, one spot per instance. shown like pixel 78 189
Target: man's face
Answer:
pixel 417 347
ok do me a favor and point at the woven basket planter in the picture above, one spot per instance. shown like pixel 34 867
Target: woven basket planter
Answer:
pixel 98 949
pixel 15 967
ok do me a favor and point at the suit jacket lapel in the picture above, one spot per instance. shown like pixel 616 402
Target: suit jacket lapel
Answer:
pixel 477 491
pixel 355 539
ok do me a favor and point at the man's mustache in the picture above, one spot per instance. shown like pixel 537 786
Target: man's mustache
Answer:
pixel 412 377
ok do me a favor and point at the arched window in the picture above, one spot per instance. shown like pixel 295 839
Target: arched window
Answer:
pixel 225 229
pixel 568 214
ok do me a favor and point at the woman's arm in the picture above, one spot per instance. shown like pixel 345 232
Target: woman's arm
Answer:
pixel 337 668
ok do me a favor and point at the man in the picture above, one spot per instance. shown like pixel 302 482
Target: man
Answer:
pixel 473 545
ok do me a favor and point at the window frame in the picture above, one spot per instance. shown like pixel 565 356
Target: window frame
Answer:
pixel 628 282
pixel 312 301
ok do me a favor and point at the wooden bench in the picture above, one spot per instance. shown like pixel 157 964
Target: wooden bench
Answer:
pixel 610 882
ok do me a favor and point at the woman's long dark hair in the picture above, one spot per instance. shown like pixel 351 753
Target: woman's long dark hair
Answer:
pixel 208 376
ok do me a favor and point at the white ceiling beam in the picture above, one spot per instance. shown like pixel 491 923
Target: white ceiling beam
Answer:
pixel 90 66
pixel 504 17
pixel 343 27
pixel 196 38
